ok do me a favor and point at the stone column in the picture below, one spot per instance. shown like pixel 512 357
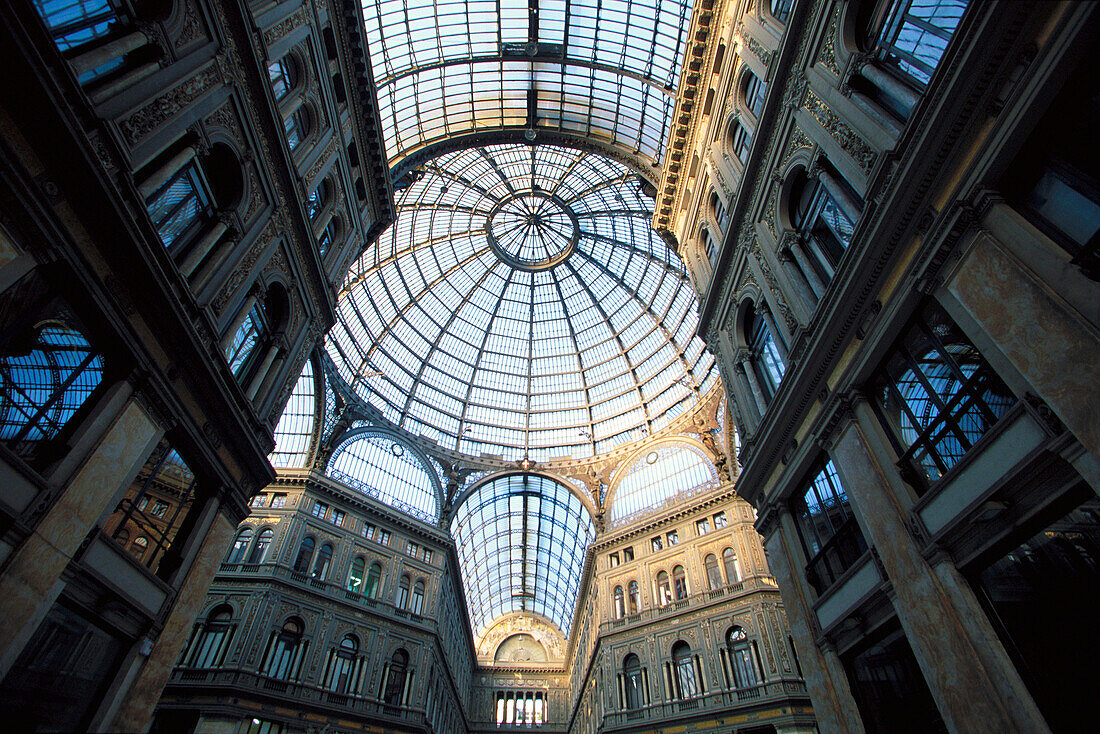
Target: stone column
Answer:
pixel 1037 331
pixel 974 683
pixel 136 710
pixel 834 705
pixel 202 248
pixel 159 177
pixel 31 581
pixel 97 57
pixel 749 372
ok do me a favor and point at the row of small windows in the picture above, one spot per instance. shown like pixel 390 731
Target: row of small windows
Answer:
pixel 674 588
pixel 683 675
pixel 285 651
pixel 409 596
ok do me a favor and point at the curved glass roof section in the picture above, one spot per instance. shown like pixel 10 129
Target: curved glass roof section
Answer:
pixel 387 470
pixel 605 69
pixel 295 429
pixel 662 475
pixel 521 542
pixel 521 305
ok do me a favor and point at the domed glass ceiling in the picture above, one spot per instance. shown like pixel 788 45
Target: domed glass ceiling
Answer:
pixel 521 305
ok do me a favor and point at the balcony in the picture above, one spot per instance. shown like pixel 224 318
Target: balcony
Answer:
pixel 695 601
pixel 711 703
pixel 242 682
pixel 302 580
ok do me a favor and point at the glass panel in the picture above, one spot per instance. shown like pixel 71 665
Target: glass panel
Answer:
pixel 295 429
pixel 598 68
pixel 916 34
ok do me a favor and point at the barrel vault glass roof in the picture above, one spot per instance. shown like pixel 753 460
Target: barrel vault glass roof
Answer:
pixel 521 305
pixel 599 69
pixel 521 542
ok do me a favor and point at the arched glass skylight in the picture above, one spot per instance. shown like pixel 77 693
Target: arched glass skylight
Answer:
pixel 521 542
pixel 662 474
pixel 387 470
pixel 522 305
pixel 295 428
pixel 605 69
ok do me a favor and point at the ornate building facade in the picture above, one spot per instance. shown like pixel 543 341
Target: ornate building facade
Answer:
pixel 631 366
pixel 174 220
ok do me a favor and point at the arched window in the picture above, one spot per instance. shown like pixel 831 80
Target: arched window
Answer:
pixel 825 215
pixel 329 235
pixel 240 546
pixel 305 555
pixel 780 9
pixel 324 558
pixel 632 678
pixel 252 332
pixel 417 598
pixel 742 667
pixel 212 640
pixel 297 126
pixel 317 199
pixel 259 550
pixel 139 546
pixel 909 38
pixel 830 535
pixel 664 588
pixel 374 581
pixel 344 665
pixel 733 569
pixel 355 576
pixel 181 204
pixel 402 599
pixel 754 92
pixel 632 597
pixel 683 666
pixel 283 659
pixel 283 75
pixel 714 575
pixel 936 395
pixel 679 583
pixel 620 603
pixel 657 478
pixel 766 359
pixel 718 209
pixel 48 368
pixel 394 679
pixel 740 140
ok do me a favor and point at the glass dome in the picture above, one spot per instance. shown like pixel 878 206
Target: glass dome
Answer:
pixel 522 305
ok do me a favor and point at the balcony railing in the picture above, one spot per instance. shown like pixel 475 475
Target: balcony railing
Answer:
pixel 703 598
pixel 243 681
pixel 770 692
pixel 333 591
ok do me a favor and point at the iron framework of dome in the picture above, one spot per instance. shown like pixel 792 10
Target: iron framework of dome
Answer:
pixel 521 305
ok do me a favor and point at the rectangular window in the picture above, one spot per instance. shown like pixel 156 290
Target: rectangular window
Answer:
pixel 702 527
pixel 412 549
pixel 259 500
pixel 628 554
pixel 613 560
pixel 673 538
pixel 427 556
pixel 278 500
pixel 142 503
pixel 368 531
pixel 720 520
pixel 384 537
pixel 160 509
pixel 320 509
pixel 936 396
pixel 656 543
pixel 338 518
pixel 830 535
